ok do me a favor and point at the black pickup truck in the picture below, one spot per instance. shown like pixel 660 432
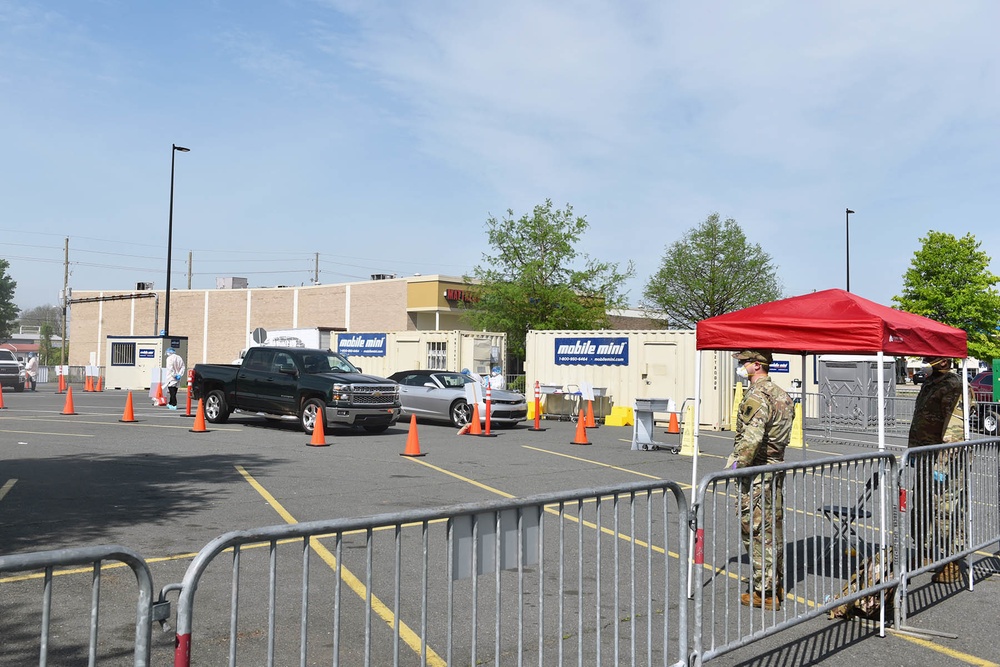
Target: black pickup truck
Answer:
pixel 310 384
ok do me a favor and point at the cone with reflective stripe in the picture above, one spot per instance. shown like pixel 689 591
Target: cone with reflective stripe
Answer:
pixel 581 431
pixel 128 415
pixel 412 439
pixel 68 409
pixel 319 432
pixel 199 419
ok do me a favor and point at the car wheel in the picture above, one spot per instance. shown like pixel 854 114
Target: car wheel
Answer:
pixel 376 428
pixel 18 388
pixel 461 413
pixel 312 410
pixel 216 410
pixel 989 422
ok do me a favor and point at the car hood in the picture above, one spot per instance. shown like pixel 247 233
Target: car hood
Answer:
pixel 355 378
pixel 504 395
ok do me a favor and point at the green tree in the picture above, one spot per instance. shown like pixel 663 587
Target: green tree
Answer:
pixel 39 315
pixel 536 279
pixel 711 271
pixel 949 280
pixel 8 311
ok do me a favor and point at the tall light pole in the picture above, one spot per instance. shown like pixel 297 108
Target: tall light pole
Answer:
pixel 848 227
pixel 170 237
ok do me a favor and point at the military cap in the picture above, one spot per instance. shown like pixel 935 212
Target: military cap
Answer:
pixel 937 361
pixel 753 355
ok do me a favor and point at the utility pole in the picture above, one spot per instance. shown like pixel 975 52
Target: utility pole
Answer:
pixel 190 266
pixel 316 274
pixel 65 299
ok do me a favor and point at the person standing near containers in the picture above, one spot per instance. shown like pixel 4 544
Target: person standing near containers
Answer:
pixel 175 371
pixel 31 371
pixel 763 429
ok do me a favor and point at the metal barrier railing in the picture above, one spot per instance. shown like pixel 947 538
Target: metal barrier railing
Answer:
pixel 950 502
pixel 469 583
pixel 67 644
pixel 834 512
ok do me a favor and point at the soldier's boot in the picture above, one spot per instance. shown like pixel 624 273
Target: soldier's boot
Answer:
pixel 755 599
pixel 948 573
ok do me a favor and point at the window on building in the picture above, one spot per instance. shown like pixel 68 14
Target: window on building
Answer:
pixel 123 354
pixel 437 355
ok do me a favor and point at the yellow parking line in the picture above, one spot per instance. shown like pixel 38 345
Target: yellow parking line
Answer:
pixel 592 462
pixel 68 435
pixel 411 638
pixel 7 487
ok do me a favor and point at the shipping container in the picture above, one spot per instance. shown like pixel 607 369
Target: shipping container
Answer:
pixel 384 353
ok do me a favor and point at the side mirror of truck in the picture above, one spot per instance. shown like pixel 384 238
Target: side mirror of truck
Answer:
pixel 288 369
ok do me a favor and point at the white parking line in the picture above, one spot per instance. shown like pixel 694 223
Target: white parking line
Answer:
pixel 7 487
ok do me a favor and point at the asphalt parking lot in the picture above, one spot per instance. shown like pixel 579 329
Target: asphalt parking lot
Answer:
pixel 163 491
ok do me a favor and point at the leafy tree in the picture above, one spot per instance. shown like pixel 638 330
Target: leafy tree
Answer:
pixel 536 279
pixel 40 315
pixel 48 355
pixel 949 280
pixel 8 311
pixel 711 271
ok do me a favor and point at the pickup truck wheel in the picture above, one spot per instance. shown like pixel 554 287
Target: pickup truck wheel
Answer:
pixel 216 410
pixel 312 410
pixel 461 413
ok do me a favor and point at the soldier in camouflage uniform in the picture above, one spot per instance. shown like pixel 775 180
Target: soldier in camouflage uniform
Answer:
pixel 763 428
pixel 938 509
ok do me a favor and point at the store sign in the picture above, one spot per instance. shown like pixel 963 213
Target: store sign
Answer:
pixel 458 295
pixel 362 345
pixel 592 351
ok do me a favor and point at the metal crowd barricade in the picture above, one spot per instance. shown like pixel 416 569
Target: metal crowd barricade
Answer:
pixel 595 576
pixel 950 502
pixel 64 642
pixel 819 554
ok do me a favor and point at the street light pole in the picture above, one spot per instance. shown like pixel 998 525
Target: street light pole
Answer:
pixel 848 227
pixel 170 237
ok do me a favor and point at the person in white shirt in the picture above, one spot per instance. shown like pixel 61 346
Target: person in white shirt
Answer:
pixel 175 370
pixel 31 371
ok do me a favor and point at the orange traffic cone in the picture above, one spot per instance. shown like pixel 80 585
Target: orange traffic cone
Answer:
pixel 88 383
pixel 62 384
pixel 591 423
pixel 199 419
pixel 581 431
pixel 319 434
pixel 158 399
pixel 128 415
pixel 412 439
pixel 2 406
pixel 475 428
pixel 673 427
pixel 68 408
pixel 97 384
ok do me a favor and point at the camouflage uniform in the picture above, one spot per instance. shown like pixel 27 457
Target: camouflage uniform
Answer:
pixel 763 428
pixel 938 508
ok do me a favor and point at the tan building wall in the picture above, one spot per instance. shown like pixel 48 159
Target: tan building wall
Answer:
pixel 218 322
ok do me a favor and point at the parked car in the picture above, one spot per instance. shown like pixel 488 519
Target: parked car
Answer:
pixel 310 384
pixel 440 395
pixel 986 417
pixel 919 375
pixel 11 371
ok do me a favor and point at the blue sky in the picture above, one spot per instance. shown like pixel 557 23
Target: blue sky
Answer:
pixel 382 135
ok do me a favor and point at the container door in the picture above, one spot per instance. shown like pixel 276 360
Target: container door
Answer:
pixel 659 371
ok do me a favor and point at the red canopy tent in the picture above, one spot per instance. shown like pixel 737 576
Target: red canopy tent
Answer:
pixel 831 321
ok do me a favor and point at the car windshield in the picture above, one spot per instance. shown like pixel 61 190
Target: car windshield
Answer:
pixel 326 363
pixel 453 380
